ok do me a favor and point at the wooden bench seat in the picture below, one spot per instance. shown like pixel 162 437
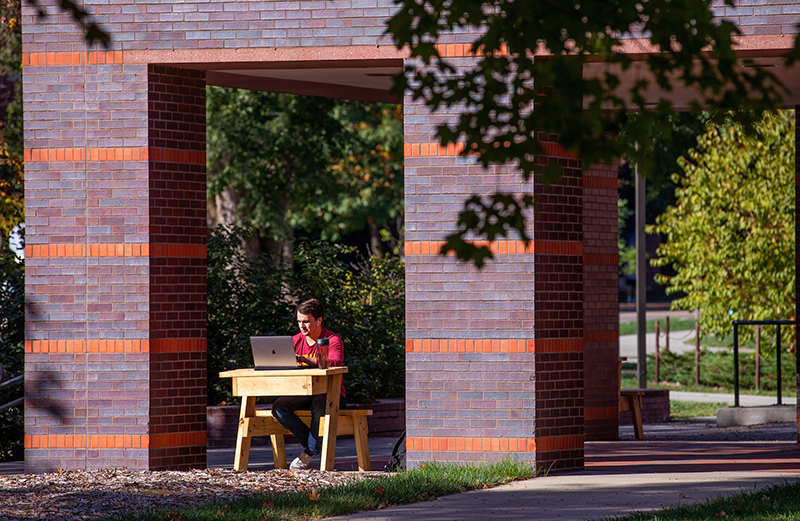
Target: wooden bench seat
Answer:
pixel 350 422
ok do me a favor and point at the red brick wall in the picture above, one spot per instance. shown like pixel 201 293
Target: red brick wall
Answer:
pixel 600 301
pixel 115 251
pixel 177 132
pixel 559 319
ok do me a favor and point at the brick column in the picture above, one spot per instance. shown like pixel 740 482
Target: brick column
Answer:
pixel 178 231
pixel 797 233
pixel 115 255
pixel 600 300
pixel 558 317
pixel 494 357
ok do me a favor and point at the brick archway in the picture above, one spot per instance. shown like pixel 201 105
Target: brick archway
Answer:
pixel 115 268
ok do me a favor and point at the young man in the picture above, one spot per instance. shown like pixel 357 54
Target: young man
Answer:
pixel 309 319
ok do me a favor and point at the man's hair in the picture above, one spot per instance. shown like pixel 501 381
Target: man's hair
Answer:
pixel 311 307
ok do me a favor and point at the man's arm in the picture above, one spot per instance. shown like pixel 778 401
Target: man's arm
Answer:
pixel 335 351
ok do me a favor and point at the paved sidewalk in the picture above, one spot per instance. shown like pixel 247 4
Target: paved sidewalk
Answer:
pixel 678 463
pixel 745 400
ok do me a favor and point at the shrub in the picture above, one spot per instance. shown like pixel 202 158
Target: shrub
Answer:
pixel 12 349
pixel 364 303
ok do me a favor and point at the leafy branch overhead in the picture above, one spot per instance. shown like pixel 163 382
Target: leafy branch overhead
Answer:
pixel 573 61
pixel 93 32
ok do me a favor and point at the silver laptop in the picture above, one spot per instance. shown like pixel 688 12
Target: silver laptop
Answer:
pixel 273 352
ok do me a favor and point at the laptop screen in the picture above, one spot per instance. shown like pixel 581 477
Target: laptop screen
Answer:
pixel 273 352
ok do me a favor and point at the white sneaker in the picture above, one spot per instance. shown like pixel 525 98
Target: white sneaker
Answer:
pixel 301 462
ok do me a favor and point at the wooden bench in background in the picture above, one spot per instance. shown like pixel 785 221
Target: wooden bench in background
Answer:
pixel 350 422
pixel 631 400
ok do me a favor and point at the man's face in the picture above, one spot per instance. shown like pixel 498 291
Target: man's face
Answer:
pixel 310 327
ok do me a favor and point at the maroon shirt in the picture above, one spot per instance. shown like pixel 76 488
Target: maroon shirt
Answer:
pixel 335 348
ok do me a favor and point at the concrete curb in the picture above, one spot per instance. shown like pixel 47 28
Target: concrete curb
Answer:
pixel 733 416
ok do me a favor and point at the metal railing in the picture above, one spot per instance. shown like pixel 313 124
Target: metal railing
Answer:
pixel 777 324
pixel 17 380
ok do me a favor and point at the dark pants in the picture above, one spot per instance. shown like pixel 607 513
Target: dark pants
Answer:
pixel 283 410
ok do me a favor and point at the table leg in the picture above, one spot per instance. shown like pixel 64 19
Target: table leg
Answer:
pixel 331 422
pixel 243 438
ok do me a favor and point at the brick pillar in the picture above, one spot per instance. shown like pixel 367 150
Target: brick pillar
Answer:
pixel 494 357
pixel 115 258
pixel 600 300
pixel 797 233
pixel 558 317
pixel 178 231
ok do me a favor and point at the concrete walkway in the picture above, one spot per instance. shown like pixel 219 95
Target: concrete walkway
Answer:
pixel 678 463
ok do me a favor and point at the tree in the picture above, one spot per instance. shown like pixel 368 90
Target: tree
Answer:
pixel 731 233
pixel 280 162
pixel 530 53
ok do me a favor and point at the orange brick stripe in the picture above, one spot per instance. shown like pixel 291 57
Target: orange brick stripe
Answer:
pixel 178 345
pixel 569 345
pixel 597 259
pixel 433 149
pixel 179 250
pixel 462 444
pixel 86 346
pixel 461 50
pixel 501 247
pixel 600 413
pixel 114 441
pixel 178 439
pixel 42 59
pixel 600 336
pixel 86 154
pixel 92 441
pixel 190 157
pixel 559 345
pixel 115 250
pixel 457 149
pixel 559 443
pixel 470 346
pixel 115 346
pixel 607 183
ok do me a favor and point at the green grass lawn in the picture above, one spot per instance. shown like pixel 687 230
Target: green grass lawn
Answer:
pixel 781 503
pixel 629 328
pixel 681 410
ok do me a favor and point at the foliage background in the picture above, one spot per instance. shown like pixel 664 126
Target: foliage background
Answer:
pixel 290 166
pixel 731 233
pixel 364 302
pixel 12 340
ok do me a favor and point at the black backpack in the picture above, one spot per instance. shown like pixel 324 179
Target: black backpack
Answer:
pixel 397 461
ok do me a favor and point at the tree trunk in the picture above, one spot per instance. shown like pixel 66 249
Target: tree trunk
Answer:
pixel 375 242
pixel 222 211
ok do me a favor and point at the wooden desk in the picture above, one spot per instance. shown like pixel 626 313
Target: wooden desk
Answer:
pixel 250 384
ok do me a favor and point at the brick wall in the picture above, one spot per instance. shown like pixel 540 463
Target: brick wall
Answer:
pixel 115 254
pixel 600 301
pixel 559 317
pixel 776 17
pixel 469 332
pixel 177 143
pixel 115 286
pixel 86 314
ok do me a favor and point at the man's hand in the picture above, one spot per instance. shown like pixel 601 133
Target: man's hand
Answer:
pixel 310 361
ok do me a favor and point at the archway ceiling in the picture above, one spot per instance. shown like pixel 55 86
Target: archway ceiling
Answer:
pixel 371 80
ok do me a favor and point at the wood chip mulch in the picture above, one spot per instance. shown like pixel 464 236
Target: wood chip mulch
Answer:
pixel 93 494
